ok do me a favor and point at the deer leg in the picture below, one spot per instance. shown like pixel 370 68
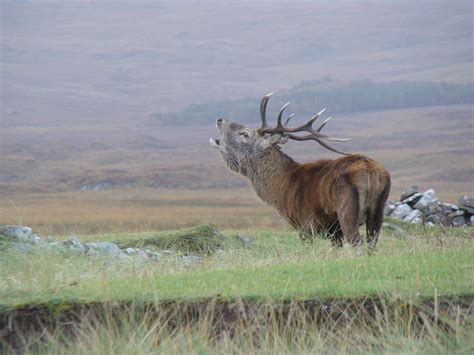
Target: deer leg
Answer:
pixel 348 214
pixel 334 233
pixel 375 219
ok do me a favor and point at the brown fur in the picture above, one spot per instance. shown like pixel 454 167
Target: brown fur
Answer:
pixel 332 197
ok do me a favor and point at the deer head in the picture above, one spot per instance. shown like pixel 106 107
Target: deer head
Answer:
pixel 238 144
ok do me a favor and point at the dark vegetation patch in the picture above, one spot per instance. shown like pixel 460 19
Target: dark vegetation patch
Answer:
pixel 351 97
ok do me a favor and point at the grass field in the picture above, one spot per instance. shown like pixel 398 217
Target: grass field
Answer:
pixel 423 267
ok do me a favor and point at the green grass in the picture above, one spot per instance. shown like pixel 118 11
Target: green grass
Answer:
pixel 410 262
pixel 412 267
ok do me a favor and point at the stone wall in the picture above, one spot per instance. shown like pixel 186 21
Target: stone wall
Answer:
pixel 425 207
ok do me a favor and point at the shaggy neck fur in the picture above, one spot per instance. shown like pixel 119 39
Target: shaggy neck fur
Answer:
pixel 268 172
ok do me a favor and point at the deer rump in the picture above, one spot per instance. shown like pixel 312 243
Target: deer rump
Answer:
pixel 334 197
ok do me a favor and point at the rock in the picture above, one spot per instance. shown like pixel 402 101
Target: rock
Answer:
pixel 412 199
pixel 12 232
pixel 34 239
pixel 412 215
pixel 409 192
pixel 73 244
pixel 456 213
pixel 449 207
pixel 466 201
pixel 458 221
pixel 131 251
pixel 417 220
pixel 102 249
pixel 401 211
pixel 467 204
pixel 245 240
pixel 389 207
pixel 428 203
pixel 471 220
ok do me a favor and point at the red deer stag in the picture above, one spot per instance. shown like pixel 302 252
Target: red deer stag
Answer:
pixel 331 197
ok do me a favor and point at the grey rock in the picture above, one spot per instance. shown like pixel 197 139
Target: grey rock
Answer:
pixel 131 251
pixel 458 221
pixel 412 199
pixel 103 249
pixel 388 208
pixel 428 203
pixel 412 215
pixel 155 255
pixel 73 244
pixel 34 239
pixel 244 239
pixel 471 220
pixel 12 232
pixel 417 220
pixel 401 211
pixel 466 201
pixel 450 207
pixel 456 213
pixel 409 192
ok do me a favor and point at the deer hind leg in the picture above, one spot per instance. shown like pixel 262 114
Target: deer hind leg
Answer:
pixel 348 214
pixel 375 219
pixel 335 234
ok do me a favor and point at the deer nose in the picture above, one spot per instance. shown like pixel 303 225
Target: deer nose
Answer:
pixel 219 120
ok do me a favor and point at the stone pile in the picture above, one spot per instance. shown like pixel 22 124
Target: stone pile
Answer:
pixel 424 207
pixel 24 240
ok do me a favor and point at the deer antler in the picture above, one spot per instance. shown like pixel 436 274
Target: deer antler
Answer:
pixel 281 128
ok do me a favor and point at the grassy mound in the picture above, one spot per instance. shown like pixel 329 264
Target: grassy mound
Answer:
pixel 201 240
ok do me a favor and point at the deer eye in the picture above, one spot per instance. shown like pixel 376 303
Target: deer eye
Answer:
pixel 245 134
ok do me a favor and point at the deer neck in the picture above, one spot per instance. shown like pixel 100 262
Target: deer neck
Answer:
pixel 268 173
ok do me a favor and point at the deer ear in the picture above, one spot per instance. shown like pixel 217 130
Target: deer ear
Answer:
pixel 276 139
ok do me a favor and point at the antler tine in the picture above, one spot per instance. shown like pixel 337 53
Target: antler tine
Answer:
pixel 289 118
pixel 314 138
pixel 324 124
pixel 307 127
pixel 279 125
pixel 263 109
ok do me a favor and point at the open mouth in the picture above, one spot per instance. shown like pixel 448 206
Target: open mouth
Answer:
pixel 214 142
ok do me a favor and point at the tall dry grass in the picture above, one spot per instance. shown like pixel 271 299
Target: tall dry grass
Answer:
pixel 270 328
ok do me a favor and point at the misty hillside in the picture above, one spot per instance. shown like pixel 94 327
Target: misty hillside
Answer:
pixel 103 95
pixel 80 62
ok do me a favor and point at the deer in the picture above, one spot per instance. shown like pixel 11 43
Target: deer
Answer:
pixel 328 197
